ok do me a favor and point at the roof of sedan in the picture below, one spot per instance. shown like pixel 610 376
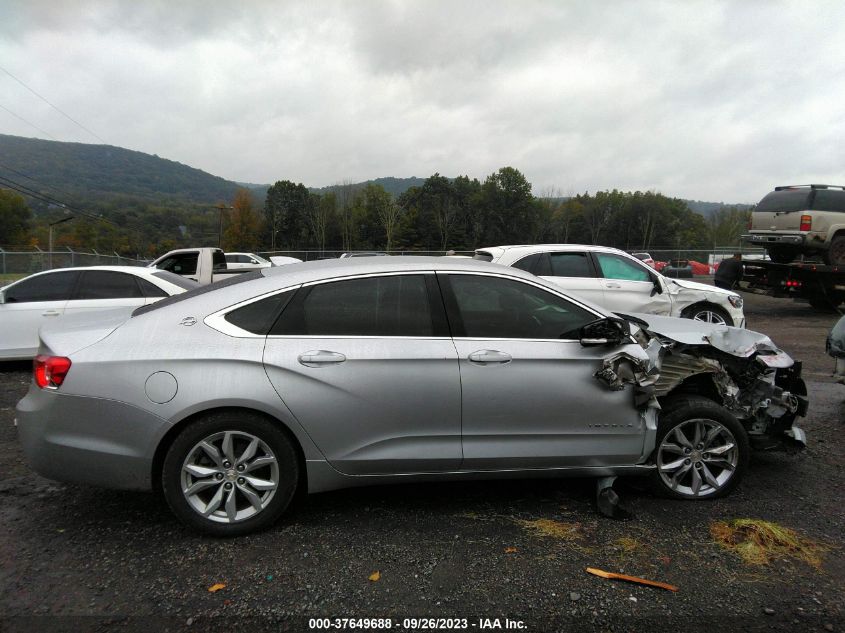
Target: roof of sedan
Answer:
pixel 327 268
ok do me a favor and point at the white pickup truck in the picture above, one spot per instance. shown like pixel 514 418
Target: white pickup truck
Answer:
pixel 203 265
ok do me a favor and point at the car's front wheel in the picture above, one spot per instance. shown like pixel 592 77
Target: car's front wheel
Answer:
pixel 702 451
pixel 708 313
pixel 230 473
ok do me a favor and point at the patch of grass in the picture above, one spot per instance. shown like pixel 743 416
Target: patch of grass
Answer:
pixel 553 529
pixel 757 542
pixel 629 546
pixel 10 277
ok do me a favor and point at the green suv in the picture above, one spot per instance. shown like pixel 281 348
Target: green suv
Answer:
pixel 801 220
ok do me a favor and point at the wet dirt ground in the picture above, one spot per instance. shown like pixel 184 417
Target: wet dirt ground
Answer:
pixel 78 558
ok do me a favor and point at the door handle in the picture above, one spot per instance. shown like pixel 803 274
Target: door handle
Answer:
pixel 319 357
pixel 612 284
pixel 490 356
pixel 51 313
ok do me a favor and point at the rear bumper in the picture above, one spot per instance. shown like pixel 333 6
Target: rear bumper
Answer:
pixel 776 239
pixel 88 440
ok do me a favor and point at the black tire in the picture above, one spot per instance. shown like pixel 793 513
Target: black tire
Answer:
pixel 684 412
pixel 823 303
pixel 781 254
pixel 835 255
pixel 699 312
pixel 260 507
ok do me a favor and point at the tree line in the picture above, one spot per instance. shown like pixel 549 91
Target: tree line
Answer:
pixel 442 214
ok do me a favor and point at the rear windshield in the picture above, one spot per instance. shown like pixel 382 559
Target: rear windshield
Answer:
pixel 786 200
pixel 803 199
pixel 196 291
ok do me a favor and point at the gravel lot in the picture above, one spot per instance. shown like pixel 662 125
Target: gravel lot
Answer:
pixel 105 560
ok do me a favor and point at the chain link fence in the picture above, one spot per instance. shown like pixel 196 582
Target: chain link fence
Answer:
pixel 25 261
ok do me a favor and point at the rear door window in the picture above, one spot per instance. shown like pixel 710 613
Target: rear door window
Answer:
pixel 54 286
pixel 393 305
pixel 106 284
pixel 570 265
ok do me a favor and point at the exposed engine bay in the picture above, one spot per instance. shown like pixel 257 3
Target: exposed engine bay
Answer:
pixel 743 370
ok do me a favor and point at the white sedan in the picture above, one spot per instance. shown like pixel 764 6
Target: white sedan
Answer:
pixel 246 260
pixel 619 282
pixel 43 297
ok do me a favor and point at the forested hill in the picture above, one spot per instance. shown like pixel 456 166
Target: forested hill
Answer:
pixel 93 170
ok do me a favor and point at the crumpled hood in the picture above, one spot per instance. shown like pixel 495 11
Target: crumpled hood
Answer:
pixel 731 340
pixel 694 285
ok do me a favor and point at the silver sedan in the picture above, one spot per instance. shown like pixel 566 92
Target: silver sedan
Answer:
pixel 340 373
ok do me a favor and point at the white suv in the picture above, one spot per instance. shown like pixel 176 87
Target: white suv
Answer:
pixel 622 283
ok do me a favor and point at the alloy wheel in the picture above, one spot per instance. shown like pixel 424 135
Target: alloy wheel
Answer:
pixel 229 476
pixel 697 458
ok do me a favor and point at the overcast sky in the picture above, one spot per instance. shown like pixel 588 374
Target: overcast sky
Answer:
pixel 702 100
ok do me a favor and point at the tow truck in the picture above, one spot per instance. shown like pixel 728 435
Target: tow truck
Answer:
pixel 821 285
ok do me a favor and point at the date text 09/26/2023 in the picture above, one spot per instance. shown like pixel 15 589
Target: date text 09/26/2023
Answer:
pixel 416 624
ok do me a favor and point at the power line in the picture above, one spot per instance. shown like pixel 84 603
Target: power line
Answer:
pixel 28 123
pixel 21 188
pixel 35 180
pixel 56 108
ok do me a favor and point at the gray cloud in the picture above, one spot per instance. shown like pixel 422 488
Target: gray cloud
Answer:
pixel 709 100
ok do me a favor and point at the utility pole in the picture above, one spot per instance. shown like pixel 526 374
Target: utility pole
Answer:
pixel 50 239
pixel 221 207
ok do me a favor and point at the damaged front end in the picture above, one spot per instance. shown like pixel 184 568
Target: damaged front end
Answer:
pixel 741 370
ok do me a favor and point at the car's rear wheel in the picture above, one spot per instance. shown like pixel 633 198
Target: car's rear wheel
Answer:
pixel 708 313
pixel 702 450
pixel 825 303
pixel 781 254
pixel 230 473
pixel 835 255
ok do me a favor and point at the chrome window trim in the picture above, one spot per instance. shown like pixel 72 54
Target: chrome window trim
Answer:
pixel 217 320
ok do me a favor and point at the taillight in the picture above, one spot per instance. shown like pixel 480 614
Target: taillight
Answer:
pixel 806 223
pixel 50 371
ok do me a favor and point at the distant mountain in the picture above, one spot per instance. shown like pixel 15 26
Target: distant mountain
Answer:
pixel 92 170
pixel 394 186
pixel 707 208
pixel 88 172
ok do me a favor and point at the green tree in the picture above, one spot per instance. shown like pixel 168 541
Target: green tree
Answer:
pixel 508 203
pixel 285 210
pixel 14 218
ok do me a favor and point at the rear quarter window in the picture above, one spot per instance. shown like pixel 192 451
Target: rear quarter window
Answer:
pixel 829 200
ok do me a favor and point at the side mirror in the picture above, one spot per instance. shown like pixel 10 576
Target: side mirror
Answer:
pixel 607 331
pixel 658 287
pixel 253 261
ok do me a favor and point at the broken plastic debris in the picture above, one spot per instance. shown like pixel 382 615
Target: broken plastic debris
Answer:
pixel 216 587
pixel 641 581
pixel 375 576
